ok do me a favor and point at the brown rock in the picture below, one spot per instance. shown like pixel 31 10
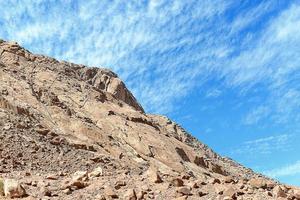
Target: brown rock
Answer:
pixel 52 177
pixel 194 184
pixel 154 176
pixel 230 192
pixel 279 192
pixel 201 193
pixel 296 193
pixel 46 192
pixel 257 183
pixel 228 179
pixel 13 189
pixel 216 168
pixel 177 182
pixel 215 181
pixel 119 184
pixel 200 161
pixel 110 192
pixel 184 191
pixel 80 176
pixel 270 184
pixel 141 194
pixel 78 184
pixel 67 191
pixel 96 172
pixel 219 189
pixel 130 195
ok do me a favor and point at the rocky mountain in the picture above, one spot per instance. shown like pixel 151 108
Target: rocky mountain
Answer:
pixel 74 132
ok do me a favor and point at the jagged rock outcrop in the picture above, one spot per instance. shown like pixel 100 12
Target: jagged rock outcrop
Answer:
pixel 73 132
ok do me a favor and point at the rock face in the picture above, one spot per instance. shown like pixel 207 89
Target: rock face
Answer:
pixel 72 132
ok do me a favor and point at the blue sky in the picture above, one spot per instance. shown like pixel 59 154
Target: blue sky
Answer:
pixel 228 71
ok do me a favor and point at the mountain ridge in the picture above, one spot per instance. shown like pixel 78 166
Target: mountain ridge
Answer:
pixel 70 120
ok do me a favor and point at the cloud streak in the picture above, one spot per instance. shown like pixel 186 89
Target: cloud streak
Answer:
pixel 265 145
pixel 288 170
pixel 194 41
pixel 168 51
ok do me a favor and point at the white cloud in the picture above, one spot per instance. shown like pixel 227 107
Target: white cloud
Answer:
pixel 163 49
pixel 273 61
pixel 288 170
pixel 251 16
pixel 256 115
pixel 266 145
pixel 213 93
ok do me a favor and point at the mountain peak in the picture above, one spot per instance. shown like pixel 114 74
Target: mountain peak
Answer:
pixel 74 132
pixel 99 78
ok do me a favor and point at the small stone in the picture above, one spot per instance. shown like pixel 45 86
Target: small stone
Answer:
pixel 201 194
pixel 52 177
pixel 7 127
pixel 184 191
pixel 42 131
pixel 27 174
pixel 34 183
pixel 96 172
pixel 269 193
pixel 47 192
pixel 270 184
pixel 230 192
pixel 78 184
pixel 228 179
pixel 110 192
pixel 177 182
pixel 215 180
pixel 80 176
pixel 193 184
pixel 186 176
pixel 67 191
pixel 119 184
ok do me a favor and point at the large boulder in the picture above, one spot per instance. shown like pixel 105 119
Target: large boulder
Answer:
pixel 258 183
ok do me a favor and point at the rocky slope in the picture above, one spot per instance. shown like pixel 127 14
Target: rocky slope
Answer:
pixel 73 132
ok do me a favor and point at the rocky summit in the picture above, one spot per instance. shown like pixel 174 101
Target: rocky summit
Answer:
pixel 74 132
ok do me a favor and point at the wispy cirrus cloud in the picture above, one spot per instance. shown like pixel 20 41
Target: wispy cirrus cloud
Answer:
pixel 213 93
pixel 272 61
pixel 265 145
pixel 194 41
pixel 256 115
pixel 128 37
pixel 288 170
pixel 168 51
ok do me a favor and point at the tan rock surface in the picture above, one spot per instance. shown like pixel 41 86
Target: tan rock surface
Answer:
pixel 72 132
